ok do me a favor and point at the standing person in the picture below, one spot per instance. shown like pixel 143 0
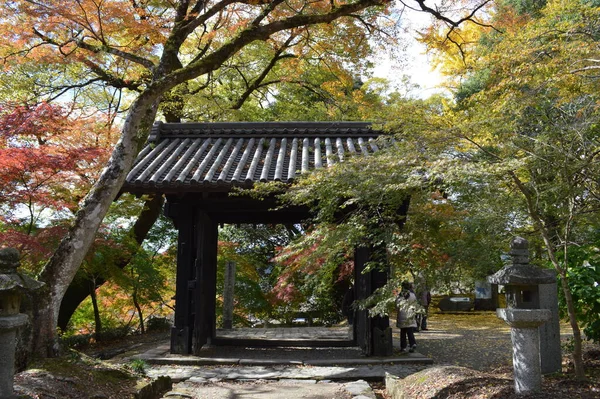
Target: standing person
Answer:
pixel 406 305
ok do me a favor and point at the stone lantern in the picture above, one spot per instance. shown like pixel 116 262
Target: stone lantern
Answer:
pixel 12 286
pixel 523 314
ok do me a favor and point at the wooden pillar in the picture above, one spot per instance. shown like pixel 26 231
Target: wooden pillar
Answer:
pixel 380 325
pixel 373 334
pixel 362 284
pixel 206 282
pixel 181 332
pixel 228 294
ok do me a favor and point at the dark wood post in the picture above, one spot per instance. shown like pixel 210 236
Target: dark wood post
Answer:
pixel 373 334
pixel 381 332
pixel 181 332
pixel 206 272
pixel 362 284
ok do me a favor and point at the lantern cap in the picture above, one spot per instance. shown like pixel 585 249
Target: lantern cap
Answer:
pixel 10 278
pixel 522 275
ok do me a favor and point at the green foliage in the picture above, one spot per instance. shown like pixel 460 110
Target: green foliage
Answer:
pixel 584 280
pixel 113 324
pixel 449 243
pixel 473 85
pixel 252 248
pixel 158 324
pixel 138 366
pixel 532 131
pixel 449 234
pixel 144 286
pixel 532 7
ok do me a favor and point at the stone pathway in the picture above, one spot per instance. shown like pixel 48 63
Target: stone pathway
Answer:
pixel 260 389
pixel 237 372
pixel 481 342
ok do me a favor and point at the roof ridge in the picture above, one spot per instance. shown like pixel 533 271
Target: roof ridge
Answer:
pixel 269 123
pixel 269 129
pixel 263 125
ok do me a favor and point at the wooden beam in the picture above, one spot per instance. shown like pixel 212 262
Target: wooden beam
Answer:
pixel 223 208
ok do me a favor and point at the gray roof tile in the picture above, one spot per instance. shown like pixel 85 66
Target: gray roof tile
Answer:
pixel 194 157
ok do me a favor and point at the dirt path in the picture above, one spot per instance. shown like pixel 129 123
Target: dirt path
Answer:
pixel 479 341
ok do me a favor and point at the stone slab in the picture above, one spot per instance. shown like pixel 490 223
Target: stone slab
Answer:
pixel 411 358
pixel 188 360
pixel 13 321
pixel 359 388
pixel 341 362
pixel 262 362
pixel 288 389
pixel 285 372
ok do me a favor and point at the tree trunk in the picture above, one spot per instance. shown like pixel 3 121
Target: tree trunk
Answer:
pixel 79 289
pixel 97 319
pixel 139 311
pixel 60 270
pixel 577 340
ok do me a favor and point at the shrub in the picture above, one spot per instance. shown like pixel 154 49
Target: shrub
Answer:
pixel 158 324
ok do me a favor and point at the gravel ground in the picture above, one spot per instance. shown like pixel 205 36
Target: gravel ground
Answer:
pixel 479 341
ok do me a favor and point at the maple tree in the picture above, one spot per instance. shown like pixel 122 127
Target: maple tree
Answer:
pixel 522 135
pixel 314 271
pixel 93 35
pixel 48 160
pixel 149 51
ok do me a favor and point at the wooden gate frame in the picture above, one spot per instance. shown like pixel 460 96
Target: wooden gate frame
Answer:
pixel 196 218
pixel 196 165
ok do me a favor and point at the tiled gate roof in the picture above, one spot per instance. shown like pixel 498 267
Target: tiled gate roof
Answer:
pixel 194 157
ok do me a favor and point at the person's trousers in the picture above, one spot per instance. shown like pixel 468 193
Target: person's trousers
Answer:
pixel 407 333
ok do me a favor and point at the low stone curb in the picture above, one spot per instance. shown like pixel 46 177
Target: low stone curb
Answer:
pixel 413 358
pixel 283 372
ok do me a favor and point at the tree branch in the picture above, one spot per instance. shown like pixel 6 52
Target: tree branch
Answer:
pixel 119 53
pixel 188 27
pixel 111 79
pixel 451 22
pixel 254 33
pixel 256 83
